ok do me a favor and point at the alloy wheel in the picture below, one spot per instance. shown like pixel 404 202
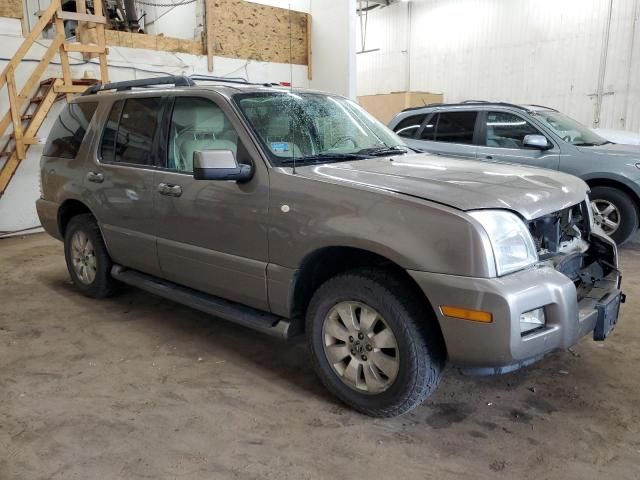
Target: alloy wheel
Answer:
pixel 83 257
pixel 606 215
pixel 360 347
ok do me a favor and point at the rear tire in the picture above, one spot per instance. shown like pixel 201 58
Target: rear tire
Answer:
pixel 612 206
pixel 411 352
pixel 88 261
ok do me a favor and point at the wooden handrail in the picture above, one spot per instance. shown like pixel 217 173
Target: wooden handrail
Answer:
pixel 28 42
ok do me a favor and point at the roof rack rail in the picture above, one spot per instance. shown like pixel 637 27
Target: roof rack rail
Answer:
pixel 177 80
pixel 466 103
pixel 541 106
pixel 237 80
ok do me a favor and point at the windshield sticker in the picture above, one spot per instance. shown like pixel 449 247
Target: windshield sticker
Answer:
pixel 279 147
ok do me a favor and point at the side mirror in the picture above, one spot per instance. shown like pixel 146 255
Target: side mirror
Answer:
pixel 219 165
pixel 539 142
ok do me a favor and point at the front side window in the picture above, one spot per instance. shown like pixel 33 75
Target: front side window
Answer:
pixel 455 127
pixel 315 128
pixel 569 129
pixel 506 130
pixel 409 126
pixel 128 134
pixel 66 136
pixel 197 124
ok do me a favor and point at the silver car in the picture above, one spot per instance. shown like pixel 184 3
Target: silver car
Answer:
pixel 537 136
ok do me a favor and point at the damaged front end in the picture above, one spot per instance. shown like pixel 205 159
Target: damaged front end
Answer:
pixel 566 241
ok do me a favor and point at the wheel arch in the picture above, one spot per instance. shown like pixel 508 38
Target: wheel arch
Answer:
pixel 620 184
pixel 326 262
pixel 67 210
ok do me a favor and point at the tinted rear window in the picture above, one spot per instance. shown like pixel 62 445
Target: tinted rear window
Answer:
pixel 456 127
pixel 409 126
pixel 68 132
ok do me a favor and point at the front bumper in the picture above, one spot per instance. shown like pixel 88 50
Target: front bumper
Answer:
pixel 499 347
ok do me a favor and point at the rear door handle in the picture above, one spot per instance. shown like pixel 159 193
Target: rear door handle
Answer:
pixel 170 189
pixel 95 177
pixel 489 157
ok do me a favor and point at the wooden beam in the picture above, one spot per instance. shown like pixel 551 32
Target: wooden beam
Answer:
pixel 79 47
pixel 71 89
pixel 14 111
pixel 209 34
pixel 82 17
pixel 104 71
pixel 28 42
pixel 82 30
pixel 64 57
pixel 309 51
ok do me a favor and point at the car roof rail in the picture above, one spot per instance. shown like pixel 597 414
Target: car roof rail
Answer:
pixel 177 80
pixel 467 103
pixel 236 80
pixel 541 106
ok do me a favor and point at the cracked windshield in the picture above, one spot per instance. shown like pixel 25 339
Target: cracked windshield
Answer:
pixel 314 128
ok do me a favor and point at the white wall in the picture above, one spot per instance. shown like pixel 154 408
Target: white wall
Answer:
pixel 333 46
pixel 526 51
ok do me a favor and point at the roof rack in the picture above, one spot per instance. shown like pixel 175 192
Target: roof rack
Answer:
pixel 541 106
pixel 177 80
pixel 237 80
pixel 467 103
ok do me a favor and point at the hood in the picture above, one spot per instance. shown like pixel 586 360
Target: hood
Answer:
pixel 462 184
pixel 614 150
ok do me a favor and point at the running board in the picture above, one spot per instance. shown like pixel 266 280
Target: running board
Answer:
pixel 234 312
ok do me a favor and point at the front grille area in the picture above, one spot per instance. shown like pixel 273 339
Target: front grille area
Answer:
pixel 563 239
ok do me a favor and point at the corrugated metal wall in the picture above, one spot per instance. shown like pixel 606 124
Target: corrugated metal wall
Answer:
pixel 547 52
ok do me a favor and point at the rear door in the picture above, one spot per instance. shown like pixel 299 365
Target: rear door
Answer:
pixel 449 133
pixel 212 235
pixel 120 184
pixel 501 137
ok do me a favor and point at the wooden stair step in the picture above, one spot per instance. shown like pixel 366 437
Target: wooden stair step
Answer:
pixel 27 116
pixel 5 154
pixel 47 81
pixel 37 99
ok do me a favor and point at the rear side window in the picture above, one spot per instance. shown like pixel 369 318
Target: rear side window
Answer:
pixel 408 127
pixel 128 134
pixel 68 132
pixel 456 127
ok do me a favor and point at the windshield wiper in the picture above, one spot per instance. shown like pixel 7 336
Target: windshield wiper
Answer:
pixel 383 150
pixel 324 158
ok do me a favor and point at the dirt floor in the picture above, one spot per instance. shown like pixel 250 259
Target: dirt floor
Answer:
pixel 138 387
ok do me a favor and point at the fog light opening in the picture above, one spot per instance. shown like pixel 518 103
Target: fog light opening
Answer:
pixel 531 321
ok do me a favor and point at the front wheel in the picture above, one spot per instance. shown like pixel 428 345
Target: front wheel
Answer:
pixel 372 344
pixel 614 211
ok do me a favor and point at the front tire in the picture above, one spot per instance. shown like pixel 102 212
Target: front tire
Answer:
pixel 373 344
pixel 88 261
pixel 615 212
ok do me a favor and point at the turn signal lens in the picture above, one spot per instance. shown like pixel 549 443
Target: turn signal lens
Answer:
pixel 466 314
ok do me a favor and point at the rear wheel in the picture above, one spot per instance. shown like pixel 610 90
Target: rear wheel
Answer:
pixel 87 259
pixel 614 211
pixel 372 344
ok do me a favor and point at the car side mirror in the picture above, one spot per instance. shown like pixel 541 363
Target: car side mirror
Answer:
pixel 219 165
pixel 539 142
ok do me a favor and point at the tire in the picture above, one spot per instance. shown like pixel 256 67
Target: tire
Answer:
pixel 94 280
pixel 625 213
pixel 419 352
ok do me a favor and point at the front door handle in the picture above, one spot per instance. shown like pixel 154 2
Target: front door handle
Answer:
pixel 95 177
pixel 170 189
pixel 489 157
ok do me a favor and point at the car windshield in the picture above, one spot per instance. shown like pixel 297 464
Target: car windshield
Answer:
pixel 315 128
pixel 569 129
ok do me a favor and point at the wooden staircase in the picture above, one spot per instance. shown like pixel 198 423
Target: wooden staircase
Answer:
pixel 28 107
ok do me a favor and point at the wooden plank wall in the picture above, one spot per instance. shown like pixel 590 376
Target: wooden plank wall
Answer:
pixel 259 32
pixel 11 8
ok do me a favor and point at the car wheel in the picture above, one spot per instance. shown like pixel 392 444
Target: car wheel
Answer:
pixel 87 259
pixel 614 211
pixel 371 343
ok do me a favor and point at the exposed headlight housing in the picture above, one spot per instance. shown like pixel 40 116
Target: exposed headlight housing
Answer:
pixel 513 247
pixel 532 320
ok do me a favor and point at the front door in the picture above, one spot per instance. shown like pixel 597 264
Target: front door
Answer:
pixel 502 135
pixel 211 234
pixel 120 185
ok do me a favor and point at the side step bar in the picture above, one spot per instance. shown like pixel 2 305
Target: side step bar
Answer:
pixel 241 314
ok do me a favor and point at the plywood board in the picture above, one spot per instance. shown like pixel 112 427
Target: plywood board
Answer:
pixel 259 32
pixel 385 106
pixel 11 8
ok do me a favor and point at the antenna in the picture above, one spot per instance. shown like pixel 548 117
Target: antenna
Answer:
pixel 291 129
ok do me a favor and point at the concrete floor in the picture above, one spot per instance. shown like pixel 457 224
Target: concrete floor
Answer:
pixel 137 387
